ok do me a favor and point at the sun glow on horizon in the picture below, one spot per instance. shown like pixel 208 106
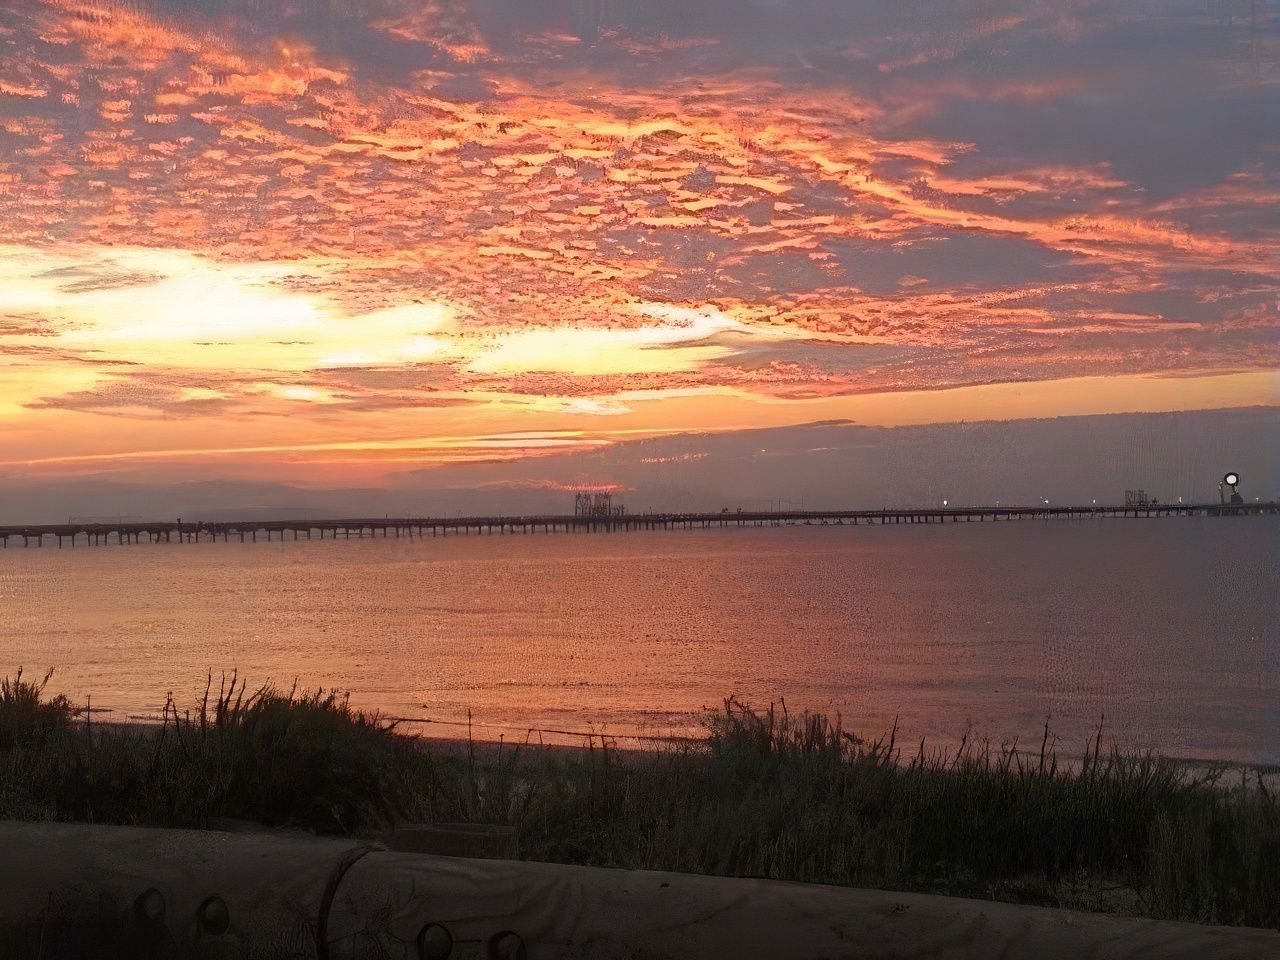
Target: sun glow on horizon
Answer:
pixel 237 237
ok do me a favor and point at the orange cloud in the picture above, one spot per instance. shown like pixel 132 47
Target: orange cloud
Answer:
pixel 224 223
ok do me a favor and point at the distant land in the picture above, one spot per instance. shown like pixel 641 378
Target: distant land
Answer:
pixel 1067 460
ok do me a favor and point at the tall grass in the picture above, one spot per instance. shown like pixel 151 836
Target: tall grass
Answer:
pixel 303 759
pixel 799 798
pixel 767 793
pixel 26 717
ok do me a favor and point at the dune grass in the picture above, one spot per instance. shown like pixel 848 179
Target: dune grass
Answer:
pixel 282 759
pixel 800 799
pixel 766 794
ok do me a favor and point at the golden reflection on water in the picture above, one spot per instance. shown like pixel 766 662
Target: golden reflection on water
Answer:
pixel 1168 628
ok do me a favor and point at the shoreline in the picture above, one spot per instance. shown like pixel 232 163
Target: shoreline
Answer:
pixel 641 744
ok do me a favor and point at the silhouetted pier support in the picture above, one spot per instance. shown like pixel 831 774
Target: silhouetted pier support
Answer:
pixel 96 534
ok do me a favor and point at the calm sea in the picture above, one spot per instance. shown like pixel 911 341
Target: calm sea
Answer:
pixel 1168 629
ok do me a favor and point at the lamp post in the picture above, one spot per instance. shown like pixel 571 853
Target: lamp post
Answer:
pixel 1229 479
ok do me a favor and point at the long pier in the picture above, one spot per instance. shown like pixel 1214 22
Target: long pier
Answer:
pixel 97 533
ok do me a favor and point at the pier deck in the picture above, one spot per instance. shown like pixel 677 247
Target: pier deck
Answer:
pixel 70 534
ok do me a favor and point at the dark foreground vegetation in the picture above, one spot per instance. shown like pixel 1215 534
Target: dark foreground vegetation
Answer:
pixel 766 794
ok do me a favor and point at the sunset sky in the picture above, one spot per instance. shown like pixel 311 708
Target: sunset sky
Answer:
pixel 333 241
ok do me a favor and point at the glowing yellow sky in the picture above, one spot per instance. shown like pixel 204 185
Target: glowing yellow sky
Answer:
pixel 260 245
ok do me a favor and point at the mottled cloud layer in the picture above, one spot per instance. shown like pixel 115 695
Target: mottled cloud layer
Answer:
pixel 459 229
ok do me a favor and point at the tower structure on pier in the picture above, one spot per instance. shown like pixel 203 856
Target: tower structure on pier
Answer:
pixel 597 503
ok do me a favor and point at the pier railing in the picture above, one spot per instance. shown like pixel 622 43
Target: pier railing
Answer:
pixel 159 531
